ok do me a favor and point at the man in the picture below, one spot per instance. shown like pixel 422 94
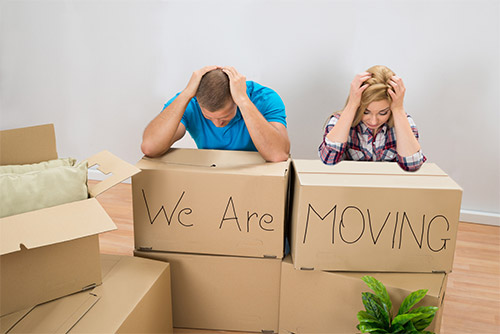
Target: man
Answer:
pixel 221 110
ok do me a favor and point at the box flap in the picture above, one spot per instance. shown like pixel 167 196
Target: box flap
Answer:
pixel 215 161
pixel 108 262
pixel 378 181
pixel 124 288
pixel 364 167
pixel 10 320
pixel 28 145
pixel 53 225
pixel 60 315
pixel 56 317
pixel 372 174
pixel 408 281
pixel 434 282
pixel 110 163
pixel 205 158
pixel 125 296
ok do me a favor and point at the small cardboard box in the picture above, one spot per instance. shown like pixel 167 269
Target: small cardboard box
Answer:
pixel 134 297
pixel 373 216
pixel 210 202
pixel 223 292
pixel 315 301
pixel 51 252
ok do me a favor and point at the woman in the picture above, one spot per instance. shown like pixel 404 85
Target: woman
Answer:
pixel 373 125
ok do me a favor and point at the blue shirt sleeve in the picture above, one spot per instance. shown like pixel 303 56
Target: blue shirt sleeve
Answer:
pixel 268 102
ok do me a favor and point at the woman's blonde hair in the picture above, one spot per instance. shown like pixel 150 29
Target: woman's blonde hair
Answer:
pixel 376 91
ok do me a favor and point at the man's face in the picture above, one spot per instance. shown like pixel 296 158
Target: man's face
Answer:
pixel 220 117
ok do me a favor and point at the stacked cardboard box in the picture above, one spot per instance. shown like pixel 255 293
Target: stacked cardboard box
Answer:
pixel 134 298
pixel 50 254
pixel 316 301
pixel 218 218
pixel 363 218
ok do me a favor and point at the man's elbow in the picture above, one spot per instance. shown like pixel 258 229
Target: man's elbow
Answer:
pixel 148 149
pixel 278 157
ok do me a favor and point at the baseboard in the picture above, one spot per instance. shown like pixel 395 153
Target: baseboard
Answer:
pixel 469 216
pixel 480 217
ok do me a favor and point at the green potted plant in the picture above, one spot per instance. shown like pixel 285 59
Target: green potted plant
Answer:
pixel 377 319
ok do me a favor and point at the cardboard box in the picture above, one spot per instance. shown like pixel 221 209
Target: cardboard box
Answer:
pixel 223 292
pixel 210 202
pixel 315 301
pixel 133 298
pixel 373 216
pixel 52 252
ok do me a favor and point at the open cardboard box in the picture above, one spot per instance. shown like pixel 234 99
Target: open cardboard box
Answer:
pixel 315 301
pixel 211 202
pixel 373 216
pixel 134 297
pixel 52 252
pixel 223 292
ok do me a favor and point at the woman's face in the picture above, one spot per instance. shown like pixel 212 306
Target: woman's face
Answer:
pixel 376 114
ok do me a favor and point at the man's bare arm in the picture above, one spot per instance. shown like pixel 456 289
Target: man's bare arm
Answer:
pixel 270 138
pixel 166 128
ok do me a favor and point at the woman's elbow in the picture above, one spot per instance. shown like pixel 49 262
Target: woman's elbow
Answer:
pixel 328 162
pixel 328 157
pixel 410 167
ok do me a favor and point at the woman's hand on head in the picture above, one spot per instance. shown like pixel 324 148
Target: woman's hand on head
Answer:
pixel 357 88
pixel 397 93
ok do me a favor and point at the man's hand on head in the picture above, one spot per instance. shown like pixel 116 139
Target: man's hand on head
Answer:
pixel 194 82
pixel 237 85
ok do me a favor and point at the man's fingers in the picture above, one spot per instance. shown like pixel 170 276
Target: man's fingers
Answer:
pixel 231 69
pixel 207 69
pixel 228 72
pixel 211 67
pixel 228 69
pixel 232 73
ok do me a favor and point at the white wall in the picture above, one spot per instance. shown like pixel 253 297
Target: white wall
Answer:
pixel 101 70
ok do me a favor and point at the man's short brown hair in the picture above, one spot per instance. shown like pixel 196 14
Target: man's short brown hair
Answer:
pixel 213 92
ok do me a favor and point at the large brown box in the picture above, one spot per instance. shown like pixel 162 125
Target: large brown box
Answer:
pixel 223 292
pixel 210 202
pixel 134 297
pixel 315 301
pixel 52 252
pixel 373 216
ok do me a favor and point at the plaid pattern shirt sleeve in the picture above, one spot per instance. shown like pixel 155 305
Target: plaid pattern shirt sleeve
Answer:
pixel 329 152
pixel 413 162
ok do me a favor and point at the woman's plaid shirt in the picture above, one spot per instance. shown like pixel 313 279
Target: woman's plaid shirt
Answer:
pixel 361 145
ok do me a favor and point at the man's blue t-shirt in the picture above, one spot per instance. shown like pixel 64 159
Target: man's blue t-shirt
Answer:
pixel 233 136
